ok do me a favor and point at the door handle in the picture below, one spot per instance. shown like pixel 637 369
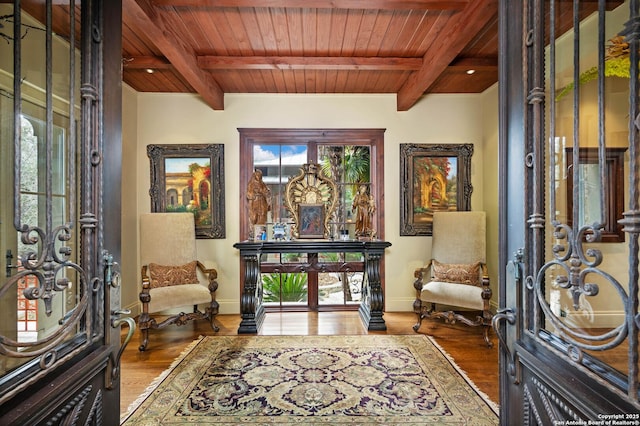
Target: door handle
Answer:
pixel 514 279
pixel 113 370
pixel 509 316
pixel 112 270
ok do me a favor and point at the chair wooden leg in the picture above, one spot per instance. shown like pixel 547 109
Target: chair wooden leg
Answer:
pixel 214 326
pixel 417 308
pixel 416 327
pixel 486 336
pixel 212 311
pixel 144 324
pixel 144 339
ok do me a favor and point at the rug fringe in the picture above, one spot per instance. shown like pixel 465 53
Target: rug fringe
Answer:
pixel 495 407
pixel 156 382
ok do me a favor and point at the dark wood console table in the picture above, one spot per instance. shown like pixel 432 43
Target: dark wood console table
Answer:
pixel 371 305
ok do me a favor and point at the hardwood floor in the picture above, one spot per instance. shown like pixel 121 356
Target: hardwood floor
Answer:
pixel 464 344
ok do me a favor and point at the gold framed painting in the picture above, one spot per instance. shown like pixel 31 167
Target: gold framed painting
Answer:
pixel 432 178
pixel 190 178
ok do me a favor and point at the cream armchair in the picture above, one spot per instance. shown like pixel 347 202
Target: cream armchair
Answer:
pixel 172 277
pixel 456 277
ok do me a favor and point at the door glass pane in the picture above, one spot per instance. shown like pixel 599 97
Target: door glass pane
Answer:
pixel 278 162
pixel 583 284
pixel 340 288
pixel 284 289
pixel 42 301
pixel 349 167
pixel 37 320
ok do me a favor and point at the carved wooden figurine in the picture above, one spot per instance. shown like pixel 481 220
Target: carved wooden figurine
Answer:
pixel 259 198
pixel 364 206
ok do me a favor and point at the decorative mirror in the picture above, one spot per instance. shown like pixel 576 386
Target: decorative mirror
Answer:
pixel 311 198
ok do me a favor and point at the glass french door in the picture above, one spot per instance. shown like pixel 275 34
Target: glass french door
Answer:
pixel 352 159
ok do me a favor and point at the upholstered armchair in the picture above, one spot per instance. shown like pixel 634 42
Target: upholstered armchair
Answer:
pixel 455 283
pixel 172 277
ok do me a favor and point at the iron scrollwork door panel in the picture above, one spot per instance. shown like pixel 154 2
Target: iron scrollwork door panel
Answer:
pixel 578 351
pixel 56 331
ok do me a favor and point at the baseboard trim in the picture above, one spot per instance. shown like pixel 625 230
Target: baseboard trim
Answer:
pixel 400 304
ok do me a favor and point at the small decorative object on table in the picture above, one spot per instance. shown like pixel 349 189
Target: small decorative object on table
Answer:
pixel 259 232
pixel 364 206
pixel 259 202
pixel 279 231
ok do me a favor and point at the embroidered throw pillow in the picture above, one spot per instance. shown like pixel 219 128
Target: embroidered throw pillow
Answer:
pixel 163 275
pixel 456 273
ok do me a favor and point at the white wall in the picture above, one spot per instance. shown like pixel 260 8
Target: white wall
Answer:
pixel 490 183
pixel 184 118
pixel 129 246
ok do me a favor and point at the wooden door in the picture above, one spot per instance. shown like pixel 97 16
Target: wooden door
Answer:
pixel 60 120
pixel 568 322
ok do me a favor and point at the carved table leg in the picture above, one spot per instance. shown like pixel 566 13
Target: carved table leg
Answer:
pixel 373 299
pixel 251 308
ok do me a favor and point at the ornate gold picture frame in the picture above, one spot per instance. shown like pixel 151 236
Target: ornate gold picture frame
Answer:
pixel 311 195
pixel 190 178
pixel 433 178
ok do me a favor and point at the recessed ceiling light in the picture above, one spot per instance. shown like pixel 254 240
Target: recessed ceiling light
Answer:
pixel 471 71
pixel 150 70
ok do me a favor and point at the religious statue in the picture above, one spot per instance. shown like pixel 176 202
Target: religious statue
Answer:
pixel 259 198
pixel 364 206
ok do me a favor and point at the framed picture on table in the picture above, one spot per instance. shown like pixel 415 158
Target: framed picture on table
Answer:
pixel 311 218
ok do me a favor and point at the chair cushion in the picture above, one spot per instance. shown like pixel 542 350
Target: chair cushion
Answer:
pixel 461 273
pixel 165 275
pixel 460 295
pixel 167 238
pixel 163 298
pixel 459 237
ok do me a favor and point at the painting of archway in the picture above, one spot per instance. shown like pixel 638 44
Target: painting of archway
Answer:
pixel 191 179
pixel 434 178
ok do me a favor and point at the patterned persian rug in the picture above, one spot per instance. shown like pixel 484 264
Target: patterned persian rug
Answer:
pixel 280 380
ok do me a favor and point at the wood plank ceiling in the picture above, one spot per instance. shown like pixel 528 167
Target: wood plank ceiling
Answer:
pixel 213 47
pixel 408 47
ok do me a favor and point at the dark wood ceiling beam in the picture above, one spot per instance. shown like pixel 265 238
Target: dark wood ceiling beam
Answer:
pixel 324 4
pixel 478 64
pixel 309 63
pixel 455 37
pixel 211 63
pixel 144 62
pixel 141 14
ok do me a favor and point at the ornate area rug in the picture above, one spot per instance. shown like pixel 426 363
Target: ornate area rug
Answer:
pixel 370 379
